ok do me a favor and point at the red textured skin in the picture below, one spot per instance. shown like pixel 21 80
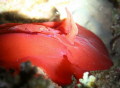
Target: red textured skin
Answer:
pixel 61 49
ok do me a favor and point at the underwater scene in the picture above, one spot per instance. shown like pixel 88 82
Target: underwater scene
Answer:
pixel 59 43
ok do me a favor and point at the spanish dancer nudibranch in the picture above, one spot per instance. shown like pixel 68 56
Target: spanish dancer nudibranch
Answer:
pixel 61 49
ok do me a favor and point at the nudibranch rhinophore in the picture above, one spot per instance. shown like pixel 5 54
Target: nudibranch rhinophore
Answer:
pixel 61 49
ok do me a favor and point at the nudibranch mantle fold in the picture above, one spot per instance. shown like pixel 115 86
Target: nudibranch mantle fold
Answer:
pixel 61 49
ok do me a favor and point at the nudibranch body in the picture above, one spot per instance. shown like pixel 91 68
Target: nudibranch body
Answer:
pixel 61 49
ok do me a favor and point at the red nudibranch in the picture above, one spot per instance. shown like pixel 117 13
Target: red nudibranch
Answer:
pixel 61 49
